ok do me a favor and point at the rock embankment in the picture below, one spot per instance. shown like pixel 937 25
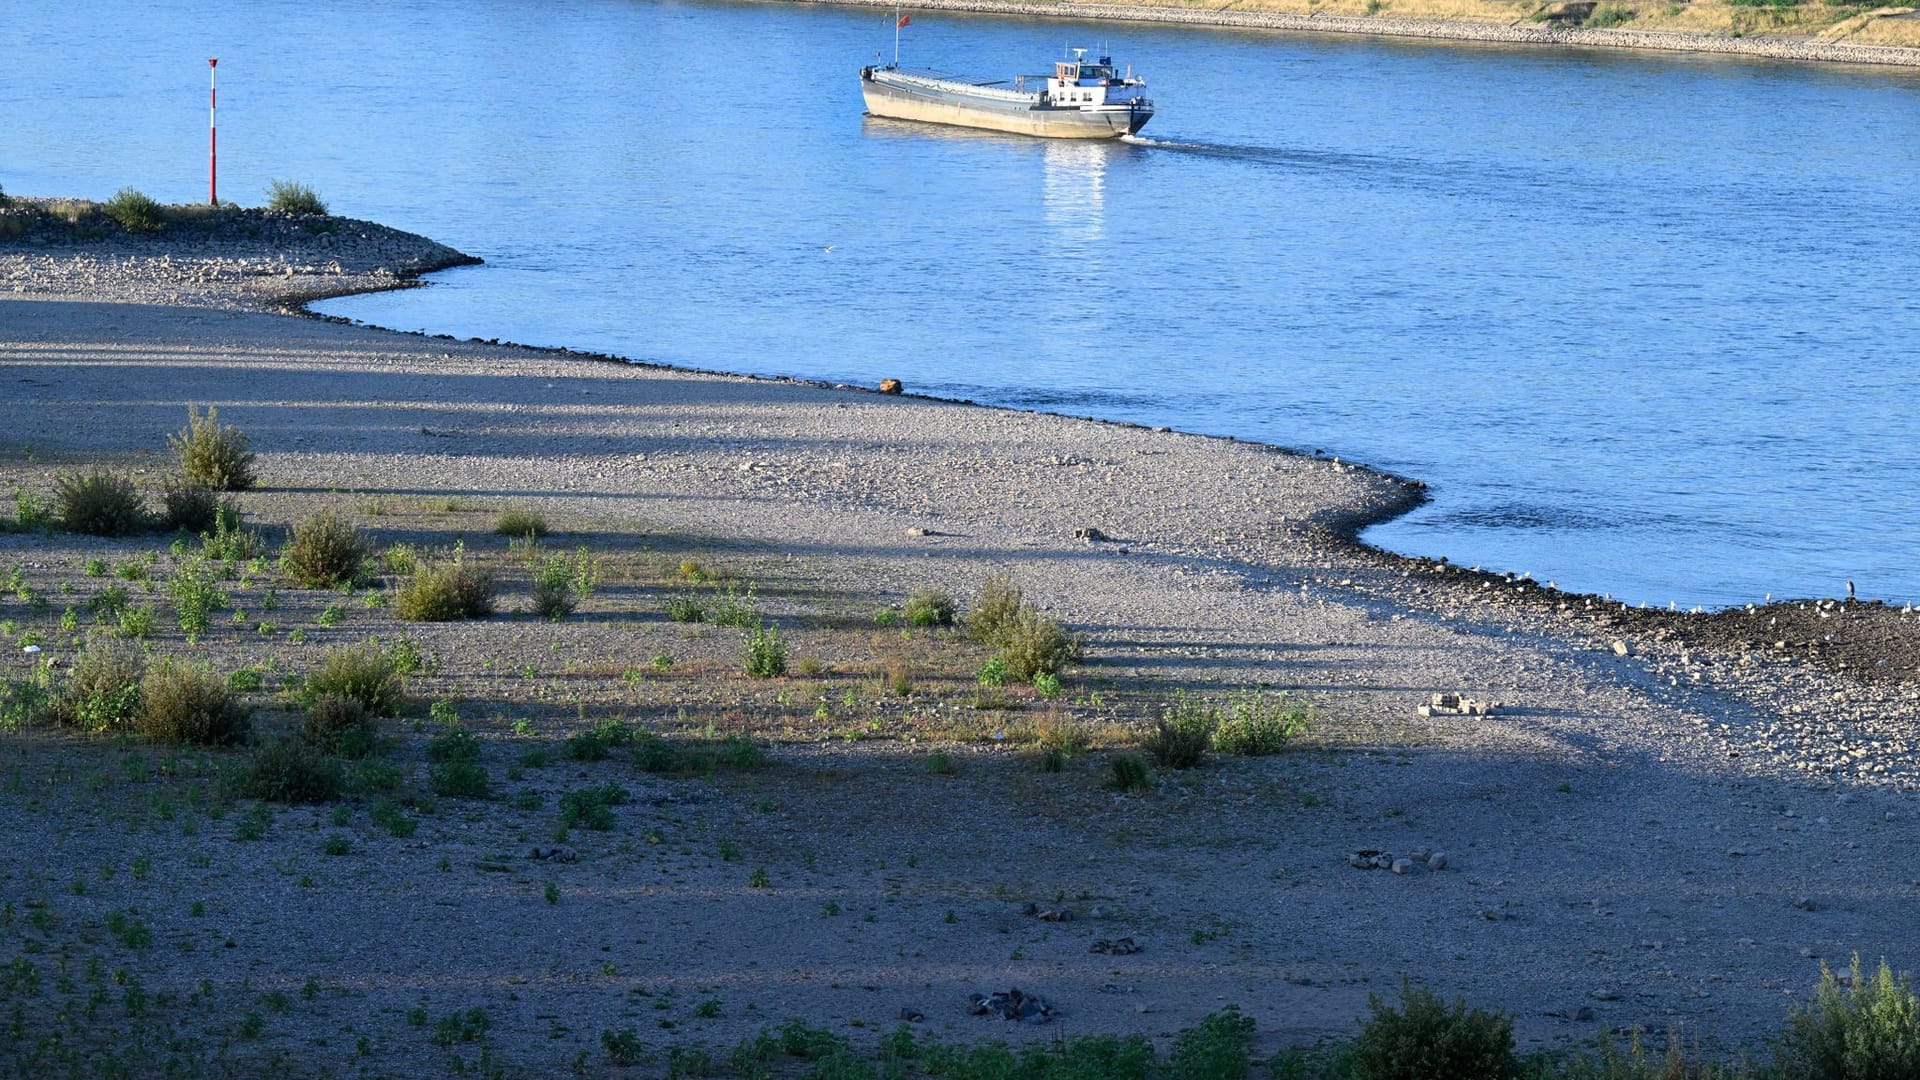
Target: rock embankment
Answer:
pixel 1775 48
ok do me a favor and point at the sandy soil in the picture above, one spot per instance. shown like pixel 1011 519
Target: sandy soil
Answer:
pixel 1669 821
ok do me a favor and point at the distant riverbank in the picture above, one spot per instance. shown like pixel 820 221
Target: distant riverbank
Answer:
pixel 1889 36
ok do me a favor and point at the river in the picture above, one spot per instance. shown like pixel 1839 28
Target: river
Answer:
pixel 1645 322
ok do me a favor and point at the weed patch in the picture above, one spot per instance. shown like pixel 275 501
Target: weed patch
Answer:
pixel 99 503
pixel 187 703
pixel 213 454
pixel 323 551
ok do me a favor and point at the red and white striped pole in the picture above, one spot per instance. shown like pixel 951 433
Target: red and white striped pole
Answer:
pixel 213 136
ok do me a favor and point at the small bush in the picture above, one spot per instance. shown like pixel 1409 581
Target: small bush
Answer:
pixel 228 542
pixel 190 507
pixel 99 503
pixel 341 725
pixel 187 703
pixel 519 522
pixel 592 807
pixel 562 582
pixel 1865 1029
pixel 764 654
pixel 1425 1040
pixel 195 588
pixel 994 608
pixel 135 622
pixel 1036 645
pixel 1129 774
pixel 460 780
pixel 597 744
pixel 928 608
pixel 134 211
pixel 212 454
pixel 1183 733
pixel 1213 1049
pixel 293 770
pixel 685 608
pixel 736 609
pixel 103 693
pixel 323 551
pixel 293 197
pixel 445 592
pixel 1254 724
pixel 364 673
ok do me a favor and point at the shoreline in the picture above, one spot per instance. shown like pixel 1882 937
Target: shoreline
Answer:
pixel 1635 784
pixel 1796 49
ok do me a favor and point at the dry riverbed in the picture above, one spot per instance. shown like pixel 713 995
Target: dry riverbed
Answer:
pixel 1668 820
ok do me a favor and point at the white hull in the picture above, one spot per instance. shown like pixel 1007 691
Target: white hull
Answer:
pixel 942 101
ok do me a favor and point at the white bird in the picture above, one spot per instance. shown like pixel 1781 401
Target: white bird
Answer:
pixel 828 249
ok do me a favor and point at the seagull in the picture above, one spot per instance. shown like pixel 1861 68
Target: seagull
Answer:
pixel 828 249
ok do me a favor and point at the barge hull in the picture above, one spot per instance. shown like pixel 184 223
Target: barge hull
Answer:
pixel 910 103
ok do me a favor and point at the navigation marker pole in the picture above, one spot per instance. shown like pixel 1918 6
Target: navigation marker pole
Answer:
pixel 213 136
pixel 899 21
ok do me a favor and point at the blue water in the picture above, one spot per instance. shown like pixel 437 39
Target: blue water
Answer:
pixel 1646 324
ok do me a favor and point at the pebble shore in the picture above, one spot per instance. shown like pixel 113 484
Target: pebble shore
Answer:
pixel 1798 49
pixel 1661 818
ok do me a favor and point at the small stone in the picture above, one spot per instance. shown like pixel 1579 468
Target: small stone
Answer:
pixel 891 386
pixel 1402 866
pixel 1604 993
pixel 1583 1014
pixel 1621 648
pixel 912 1015
pixel 1091 535
pixel 1807 954
pixel 1437 861
pixel 1806 903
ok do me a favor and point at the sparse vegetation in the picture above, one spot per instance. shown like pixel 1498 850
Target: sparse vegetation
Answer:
pixel 190 507
pixel 293 197
pixel 928 608
pixel 103 692
pixel 1028 642
pixel 592 807
pixel 99 503
pixel 1423 1039
pixel 1864 1028
pixel 445 592
pixel 1184 732
pixel 323 551
pixel 292 770
pixel 764 652
pixel 213 454
pixel 135 211
pixel 562 582
pixel 186 703
pixel 1129 774
pixel 340 724
pixel 1254 724
pixel 522 523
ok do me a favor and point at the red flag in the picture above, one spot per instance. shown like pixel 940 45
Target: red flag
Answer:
pixel 904 20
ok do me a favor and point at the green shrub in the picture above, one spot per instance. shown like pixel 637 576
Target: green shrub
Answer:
pixel 1035 645
pixel 994 608
pixel 445 592
pixel 187 703
pixel 341 725
pixel 685 608
pixel 455 744
pixel 929 608
pixel 135 622
pixel 1425 1040
pixel 99 503
pixel 364 673
pixel 592 807
pixel 1609 15
pixel 562 582
pixel 134 211
pixel 764 653
pixel 597 744
pixel 1254 724
pixel 1864 1029
pixel 291 770
pixel 1213 1049
pixel 103 691
pixel 323 551
pixel 1128 773
pixel 228 542
pixel 518 522
pixel 460 780
pixel 623 1047
pixel 1184 732
pixel 190 507
pixel 195 588
pixel 213 454
pixel 736 609
pixel 293 197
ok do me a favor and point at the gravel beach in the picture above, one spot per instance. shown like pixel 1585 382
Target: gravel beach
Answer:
pixel 1667 821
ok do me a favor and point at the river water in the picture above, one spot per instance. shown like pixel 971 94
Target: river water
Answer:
pixel 1646 323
